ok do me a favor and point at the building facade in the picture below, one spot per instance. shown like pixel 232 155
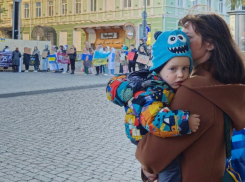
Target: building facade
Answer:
pixel 107 22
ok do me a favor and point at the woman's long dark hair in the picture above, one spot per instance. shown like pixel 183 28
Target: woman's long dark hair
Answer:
pixel 226 57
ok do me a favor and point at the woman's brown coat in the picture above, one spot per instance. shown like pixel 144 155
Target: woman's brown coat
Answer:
pixel 203 152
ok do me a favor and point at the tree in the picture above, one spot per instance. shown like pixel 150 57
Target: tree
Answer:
pixel 236 3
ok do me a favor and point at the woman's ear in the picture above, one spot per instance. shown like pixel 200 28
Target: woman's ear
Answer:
pixel 209 45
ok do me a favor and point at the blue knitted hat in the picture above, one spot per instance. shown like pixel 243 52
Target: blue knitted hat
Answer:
pixel 168 45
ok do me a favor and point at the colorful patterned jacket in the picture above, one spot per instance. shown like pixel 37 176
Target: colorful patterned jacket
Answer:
pixel 146 97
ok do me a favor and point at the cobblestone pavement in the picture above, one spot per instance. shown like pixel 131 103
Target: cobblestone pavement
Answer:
pixel 71 136
pixel 24 82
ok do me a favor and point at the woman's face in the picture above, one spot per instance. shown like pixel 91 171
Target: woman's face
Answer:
pixel 200 52
pixel 35 48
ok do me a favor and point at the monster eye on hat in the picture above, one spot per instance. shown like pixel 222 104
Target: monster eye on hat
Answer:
pixel 168 45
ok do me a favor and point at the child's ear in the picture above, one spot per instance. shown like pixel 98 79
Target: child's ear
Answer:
pixel 156 34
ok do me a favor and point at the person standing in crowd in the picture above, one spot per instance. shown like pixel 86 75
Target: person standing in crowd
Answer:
pixel 142 44
pixel 26 61
pixel 6 49
pixel 102 68
pixel 90 69
pixel 142 52
pixel 16 59
pixel 45 59
pixel 107 50
pixel 61 50
pixel 86 63
pixel 97 67
pixel 118 59
pixel 149 52
pixel 131 63
pixel 111 61
pixel 68 64
pixel 36 53
pixel 124 61
pixel 72 57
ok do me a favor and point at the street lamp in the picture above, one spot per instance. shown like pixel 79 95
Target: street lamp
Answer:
pixel 16 19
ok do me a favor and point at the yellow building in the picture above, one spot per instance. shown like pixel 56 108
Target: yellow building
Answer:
pixel 109 22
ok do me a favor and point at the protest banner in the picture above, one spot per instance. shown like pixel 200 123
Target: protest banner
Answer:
pixel 131 56
pixel 100 58
pixel 143 59
pixel 63 58
pixel 32 60
pixel 27 50
pixel 90 57
pixel 5 59
pixel 44 54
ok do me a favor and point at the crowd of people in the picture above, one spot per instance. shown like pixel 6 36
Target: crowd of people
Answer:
pixel 126 66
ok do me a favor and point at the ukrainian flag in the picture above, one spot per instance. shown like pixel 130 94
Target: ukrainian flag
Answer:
pixel 100 58
pixel 51 58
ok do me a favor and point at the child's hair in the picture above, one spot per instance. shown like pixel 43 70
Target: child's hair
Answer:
pixel 132 45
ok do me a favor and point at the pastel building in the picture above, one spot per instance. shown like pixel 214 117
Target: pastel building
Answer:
pixel 107 22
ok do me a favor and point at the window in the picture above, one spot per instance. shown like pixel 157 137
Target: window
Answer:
pixel 148 2
pixel 109 5
pixel 194 3
pixel 243 7
pixel 26 10
pixel 221 6
pixel 50 8
pixel 64 7
pixel 78 6
pixel 180 3
pixel 127 3
pixel 209 3
pixel 38 9
pixel 93 5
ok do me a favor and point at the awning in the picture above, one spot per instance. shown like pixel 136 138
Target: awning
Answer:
pixel 99 26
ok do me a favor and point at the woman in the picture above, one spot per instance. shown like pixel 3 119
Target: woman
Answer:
pixel 215 87
pixel 45 59
pixel 97 68
pixel 36 53
pixel 16 59
pixel 90 69
pixel 72 57
pixel 142 52
pixel 26 61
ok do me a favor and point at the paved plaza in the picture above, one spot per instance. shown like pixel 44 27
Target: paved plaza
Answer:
pixel 62 134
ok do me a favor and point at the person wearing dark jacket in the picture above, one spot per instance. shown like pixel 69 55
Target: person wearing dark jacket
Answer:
pixel 16 59
pixel 131 63
pixel 26 61
pixel 142 44
pixel 36 53
pixel 72 57
pixel 142 52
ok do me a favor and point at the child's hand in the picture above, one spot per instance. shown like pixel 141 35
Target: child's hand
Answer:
pixel 194 122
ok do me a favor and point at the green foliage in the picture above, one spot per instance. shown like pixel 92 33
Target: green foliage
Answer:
pixel 236 3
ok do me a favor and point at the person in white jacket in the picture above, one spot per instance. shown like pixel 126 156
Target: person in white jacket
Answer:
pixel 111 62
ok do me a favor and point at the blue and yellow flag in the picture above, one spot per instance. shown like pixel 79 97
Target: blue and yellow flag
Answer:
pixel 100 58
pixel 51 58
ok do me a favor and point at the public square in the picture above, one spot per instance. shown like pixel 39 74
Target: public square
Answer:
pixel 61 127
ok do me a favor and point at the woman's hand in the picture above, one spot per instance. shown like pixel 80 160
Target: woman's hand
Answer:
pixel 150 177
pixel 194 122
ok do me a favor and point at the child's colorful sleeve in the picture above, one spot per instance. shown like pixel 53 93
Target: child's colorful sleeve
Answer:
pixel 119 90
pixel 155 116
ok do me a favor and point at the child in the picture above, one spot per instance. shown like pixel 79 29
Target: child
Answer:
pixel 142 52
pixel 87 64
pixel 124 61
pixel 146 97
